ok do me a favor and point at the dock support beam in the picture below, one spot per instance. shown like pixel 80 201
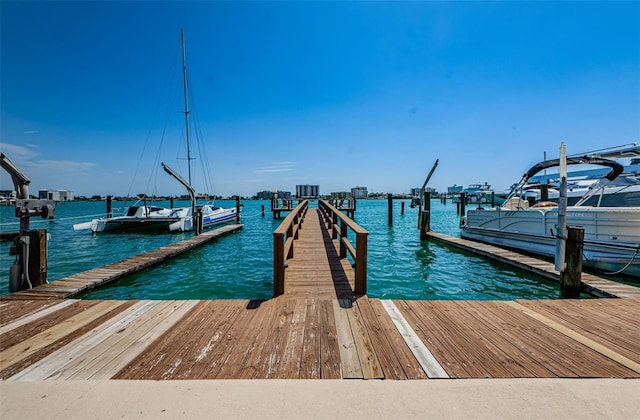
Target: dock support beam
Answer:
pixel 571 276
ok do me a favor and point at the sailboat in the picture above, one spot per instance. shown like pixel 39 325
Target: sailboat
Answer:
pixel 148 218
pixel 207 214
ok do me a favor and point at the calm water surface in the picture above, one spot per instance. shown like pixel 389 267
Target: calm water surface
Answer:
pixel 240 265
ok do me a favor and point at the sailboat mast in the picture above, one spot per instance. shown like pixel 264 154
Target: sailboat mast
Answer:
pixel 186 104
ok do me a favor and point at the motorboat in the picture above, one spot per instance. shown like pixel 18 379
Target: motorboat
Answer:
pixel 623 191
pixel 189 217
pixel 475 194
pixel 211 215
pixel 611 233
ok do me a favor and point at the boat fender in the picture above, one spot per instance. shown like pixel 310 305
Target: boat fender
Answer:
pixel 15 277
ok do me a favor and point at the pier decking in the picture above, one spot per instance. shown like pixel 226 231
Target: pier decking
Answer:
pixel 317 329
pixel 316 339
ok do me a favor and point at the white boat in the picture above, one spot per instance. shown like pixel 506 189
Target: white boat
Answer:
pixel 475 194
pixel 137 218
pixel 611 234
pixel 209 214
pixel 623 191
pixel 149 218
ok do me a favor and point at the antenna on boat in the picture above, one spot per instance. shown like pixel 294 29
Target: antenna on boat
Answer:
pixel 186 103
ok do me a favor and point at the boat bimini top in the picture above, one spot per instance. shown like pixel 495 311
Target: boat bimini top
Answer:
pixel 616 169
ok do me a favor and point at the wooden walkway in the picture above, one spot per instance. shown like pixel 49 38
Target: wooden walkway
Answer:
pixel 317 329
pixel 317 271
pixel 83 282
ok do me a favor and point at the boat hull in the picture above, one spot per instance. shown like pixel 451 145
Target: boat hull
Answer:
pixel 611 235
pixel 210 217
pixel 132 224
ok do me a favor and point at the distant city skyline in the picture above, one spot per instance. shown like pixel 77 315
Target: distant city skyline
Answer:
pixel 336 94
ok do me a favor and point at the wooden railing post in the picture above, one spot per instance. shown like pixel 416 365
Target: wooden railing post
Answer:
pixel 343 237
pixel 361 264
pixel 278 264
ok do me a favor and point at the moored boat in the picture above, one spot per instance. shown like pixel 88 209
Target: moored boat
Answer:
pixel 611 234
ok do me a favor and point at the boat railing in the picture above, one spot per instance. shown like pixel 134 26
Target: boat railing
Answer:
pixel 283 238
pixel 339 225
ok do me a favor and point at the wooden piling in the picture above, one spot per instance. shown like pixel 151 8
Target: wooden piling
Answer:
pixel 237 209
pixel 109 203
pixel 37 267
pixel 390 208
pixel 425 216
pixel 402 208
pixel 171 202
pixel 571 276
pixel 197 221
pixel 461 205
pixel 263 210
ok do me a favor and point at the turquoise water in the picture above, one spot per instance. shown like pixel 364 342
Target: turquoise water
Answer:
pixel 240 265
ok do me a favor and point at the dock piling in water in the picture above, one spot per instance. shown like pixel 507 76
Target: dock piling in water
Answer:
pixel 571 276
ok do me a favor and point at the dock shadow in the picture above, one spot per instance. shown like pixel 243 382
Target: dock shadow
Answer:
pixel 344 292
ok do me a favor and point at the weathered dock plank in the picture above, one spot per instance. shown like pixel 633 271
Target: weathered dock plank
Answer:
pixel 302 338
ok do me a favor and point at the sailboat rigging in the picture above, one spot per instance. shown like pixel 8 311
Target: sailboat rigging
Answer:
pixel 152 218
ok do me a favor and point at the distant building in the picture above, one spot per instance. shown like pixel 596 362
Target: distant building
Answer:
pixel 359 192
pixel 307 191
pixel 270 195
pixel 264 195
pixel 59 196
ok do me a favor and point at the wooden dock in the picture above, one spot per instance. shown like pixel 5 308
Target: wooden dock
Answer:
pixel 592 284
pixel 292 338
pixel 319 328
pixel 83 282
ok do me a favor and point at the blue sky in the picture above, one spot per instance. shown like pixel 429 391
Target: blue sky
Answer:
pixel 339 94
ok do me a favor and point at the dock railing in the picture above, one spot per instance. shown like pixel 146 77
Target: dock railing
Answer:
pixel 283 238
pixel 339 225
